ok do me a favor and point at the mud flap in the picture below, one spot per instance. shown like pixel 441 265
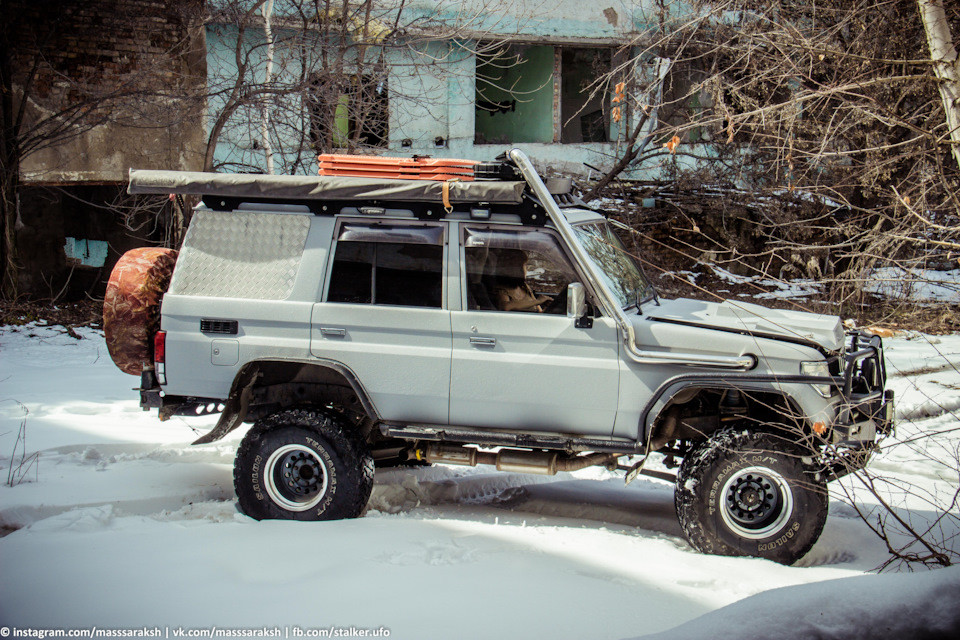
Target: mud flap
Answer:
pixel 235 408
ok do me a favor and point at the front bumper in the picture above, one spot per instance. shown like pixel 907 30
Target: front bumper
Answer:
pixel 866 408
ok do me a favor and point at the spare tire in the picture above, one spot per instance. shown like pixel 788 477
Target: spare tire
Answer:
pixel 131 306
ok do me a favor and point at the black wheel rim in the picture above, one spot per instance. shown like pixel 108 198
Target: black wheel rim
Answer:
pixel 756 502
pixel 296 477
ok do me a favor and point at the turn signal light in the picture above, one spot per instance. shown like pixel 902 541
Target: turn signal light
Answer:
pixel 160 356
pixel 160 347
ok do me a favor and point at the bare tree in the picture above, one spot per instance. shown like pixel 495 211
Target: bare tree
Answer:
pixel 828 120
pixel 821 135
pixel 53 93
pixel 946 64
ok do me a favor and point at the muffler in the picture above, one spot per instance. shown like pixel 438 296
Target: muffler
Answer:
pixel 512 460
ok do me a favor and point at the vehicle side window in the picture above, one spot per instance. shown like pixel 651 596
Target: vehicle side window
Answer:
pixel 516 270
pixel 390 264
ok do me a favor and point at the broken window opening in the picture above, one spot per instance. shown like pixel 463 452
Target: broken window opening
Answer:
pixel 514 100
pixel 348 112
pixel 517 101
pixel 584 113
pixel 685 99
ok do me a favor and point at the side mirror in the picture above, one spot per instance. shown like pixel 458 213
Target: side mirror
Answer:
pixel 576 300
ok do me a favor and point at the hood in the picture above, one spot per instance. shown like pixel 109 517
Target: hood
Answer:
pixel 794 326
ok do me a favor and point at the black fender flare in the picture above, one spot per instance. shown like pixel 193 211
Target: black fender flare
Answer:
pixel 671 388
pixel 236 406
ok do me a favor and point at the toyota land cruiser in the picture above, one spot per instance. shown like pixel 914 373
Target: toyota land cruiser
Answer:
pixel 474 317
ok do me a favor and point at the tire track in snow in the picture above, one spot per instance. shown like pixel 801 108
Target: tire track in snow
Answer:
pixel 88 477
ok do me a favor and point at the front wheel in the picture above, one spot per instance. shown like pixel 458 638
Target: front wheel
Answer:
pixel 302 465
pixel 741 493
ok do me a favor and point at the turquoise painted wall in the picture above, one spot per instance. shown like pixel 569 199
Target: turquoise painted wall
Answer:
pixel 433 86
pixel 240 146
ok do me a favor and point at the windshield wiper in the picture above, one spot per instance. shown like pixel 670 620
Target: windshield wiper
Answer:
pixel 649 292
pixel 651 296
pixel 636 301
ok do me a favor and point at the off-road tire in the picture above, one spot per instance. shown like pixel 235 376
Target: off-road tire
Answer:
pixel 302 464
pixel 131 305
pixel 743 493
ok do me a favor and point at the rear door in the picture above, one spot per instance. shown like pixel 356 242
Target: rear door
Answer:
pixel 383 316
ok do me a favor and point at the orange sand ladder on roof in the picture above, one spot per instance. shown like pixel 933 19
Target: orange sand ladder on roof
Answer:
pixel 396 168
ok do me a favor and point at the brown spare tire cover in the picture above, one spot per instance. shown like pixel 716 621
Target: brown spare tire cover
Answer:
pixel 131 306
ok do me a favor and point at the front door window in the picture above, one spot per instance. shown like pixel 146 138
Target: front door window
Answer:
pixel 516 270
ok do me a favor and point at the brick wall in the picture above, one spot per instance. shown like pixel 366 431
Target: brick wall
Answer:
pixel 86 54
pixel 100 40
pixel 81 55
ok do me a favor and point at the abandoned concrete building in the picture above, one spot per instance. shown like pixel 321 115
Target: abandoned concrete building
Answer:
pixel 462 80
pixel 98 87
pixel 465 79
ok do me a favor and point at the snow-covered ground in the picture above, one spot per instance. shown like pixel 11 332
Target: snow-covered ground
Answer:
pixel 120 523
pixel 916 286
pixel 927 286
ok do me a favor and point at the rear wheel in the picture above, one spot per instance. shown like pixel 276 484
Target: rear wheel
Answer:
pixel 302 465
pixel 741 493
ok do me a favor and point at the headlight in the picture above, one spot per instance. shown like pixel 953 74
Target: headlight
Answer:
pixel 818 368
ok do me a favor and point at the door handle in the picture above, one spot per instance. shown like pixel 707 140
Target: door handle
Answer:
pixel 332 332
pixel 483 342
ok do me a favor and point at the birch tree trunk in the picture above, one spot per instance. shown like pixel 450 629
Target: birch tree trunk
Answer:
pixel 947 65
pixel 265 110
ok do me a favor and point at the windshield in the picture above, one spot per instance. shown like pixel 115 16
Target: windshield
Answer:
pixel 620 271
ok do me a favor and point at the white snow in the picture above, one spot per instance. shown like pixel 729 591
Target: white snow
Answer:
pixel 121 523
pixel 769 288
pixel 916 285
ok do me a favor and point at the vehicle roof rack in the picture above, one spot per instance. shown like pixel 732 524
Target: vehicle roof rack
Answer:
pixel 271 187
pixel 430 188
pixel 327 195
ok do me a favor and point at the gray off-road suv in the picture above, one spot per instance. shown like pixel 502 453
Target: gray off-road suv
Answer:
pixel 362 321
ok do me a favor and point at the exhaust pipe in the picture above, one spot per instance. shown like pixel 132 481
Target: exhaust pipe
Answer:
pixel 513 460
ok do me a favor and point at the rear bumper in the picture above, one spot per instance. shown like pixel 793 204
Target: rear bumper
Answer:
pixel 152 397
